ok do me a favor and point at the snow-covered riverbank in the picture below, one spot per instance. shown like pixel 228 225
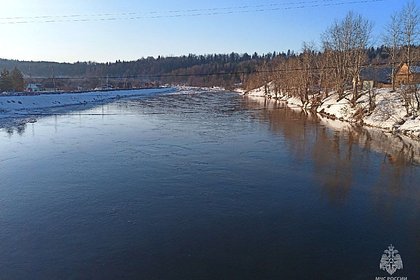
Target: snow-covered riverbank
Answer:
pixel 389 113
pixel 16 110
pixel 396 147
pixel 11 106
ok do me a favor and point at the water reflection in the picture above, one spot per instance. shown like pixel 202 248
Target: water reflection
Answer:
pixel 337 148
pixel 15 128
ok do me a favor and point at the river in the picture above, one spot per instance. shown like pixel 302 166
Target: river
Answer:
pixel 204 185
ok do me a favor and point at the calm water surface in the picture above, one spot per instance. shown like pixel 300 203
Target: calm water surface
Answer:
pixel 204 186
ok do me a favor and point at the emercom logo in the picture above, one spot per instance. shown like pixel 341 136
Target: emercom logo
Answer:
pixel 390 262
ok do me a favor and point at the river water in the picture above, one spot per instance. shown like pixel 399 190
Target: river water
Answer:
pixel 204 185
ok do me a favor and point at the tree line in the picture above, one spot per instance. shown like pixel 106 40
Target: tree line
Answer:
pixel 345 50
pixel 196 70
pixel 226 70
pixel 11 81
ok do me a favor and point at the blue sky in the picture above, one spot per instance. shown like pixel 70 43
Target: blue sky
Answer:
pixel 164 27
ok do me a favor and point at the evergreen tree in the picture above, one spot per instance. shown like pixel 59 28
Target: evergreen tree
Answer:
pixel 18 83
pixel 5 81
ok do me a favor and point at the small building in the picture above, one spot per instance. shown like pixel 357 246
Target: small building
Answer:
pixel 33 87
pixel 407 75
pixel 379 77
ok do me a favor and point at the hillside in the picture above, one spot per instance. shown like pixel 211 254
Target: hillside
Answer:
pixel 196 70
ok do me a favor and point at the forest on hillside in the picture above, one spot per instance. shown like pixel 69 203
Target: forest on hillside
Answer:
pixel 224 70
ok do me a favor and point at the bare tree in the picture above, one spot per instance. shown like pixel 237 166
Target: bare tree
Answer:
pixel 372 99
pixel 359 42
pixel 346 41
pixel 326 72
pixel 265 77
pixel 279 72
pixel 410 29
pixel 392 40
pixel 410 35
pixel 335 50
pixel 292 79
pixel 308 72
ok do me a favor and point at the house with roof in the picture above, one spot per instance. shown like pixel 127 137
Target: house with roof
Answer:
pixel 374 76
pixel 407 74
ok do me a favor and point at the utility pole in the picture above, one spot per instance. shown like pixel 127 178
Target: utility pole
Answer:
pixel 53 77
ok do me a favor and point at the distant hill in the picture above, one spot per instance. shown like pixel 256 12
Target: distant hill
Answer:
pixel 197 70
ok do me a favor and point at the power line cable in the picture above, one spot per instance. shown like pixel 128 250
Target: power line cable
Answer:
pixel 170 11
pixel 168 75
pixel 180 13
